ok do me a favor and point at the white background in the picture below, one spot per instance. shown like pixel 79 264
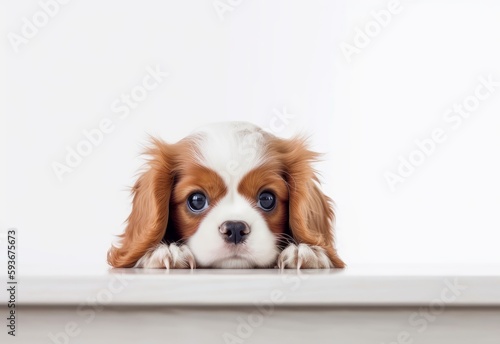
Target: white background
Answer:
pixel 264 55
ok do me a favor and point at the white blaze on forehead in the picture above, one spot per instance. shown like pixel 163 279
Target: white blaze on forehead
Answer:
pixel 232 149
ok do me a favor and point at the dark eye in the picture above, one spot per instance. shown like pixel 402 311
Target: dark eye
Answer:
pixel 197 202
pixel 266 201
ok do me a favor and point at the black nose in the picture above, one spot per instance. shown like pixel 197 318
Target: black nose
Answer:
pixel 234 231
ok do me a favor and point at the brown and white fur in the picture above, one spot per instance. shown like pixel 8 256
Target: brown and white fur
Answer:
pixel 235 167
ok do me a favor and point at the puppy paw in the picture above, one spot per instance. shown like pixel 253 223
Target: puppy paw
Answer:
pixel 303 256
pixel 165 256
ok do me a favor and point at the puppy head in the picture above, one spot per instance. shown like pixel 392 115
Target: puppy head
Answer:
pixel 233 194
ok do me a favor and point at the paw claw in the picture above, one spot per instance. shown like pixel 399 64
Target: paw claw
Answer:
pixel 303 256
pixel 168 256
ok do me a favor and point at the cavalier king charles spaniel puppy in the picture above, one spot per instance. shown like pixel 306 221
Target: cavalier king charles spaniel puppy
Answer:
pixel 230 195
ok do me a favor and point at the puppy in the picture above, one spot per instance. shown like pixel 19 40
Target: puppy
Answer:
pixel 228 196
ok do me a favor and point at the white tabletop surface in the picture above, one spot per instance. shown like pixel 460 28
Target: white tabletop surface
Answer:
pixel 354 286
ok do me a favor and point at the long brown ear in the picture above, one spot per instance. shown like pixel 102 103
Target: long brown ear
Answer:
pixel 149 217
pixel 311 215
